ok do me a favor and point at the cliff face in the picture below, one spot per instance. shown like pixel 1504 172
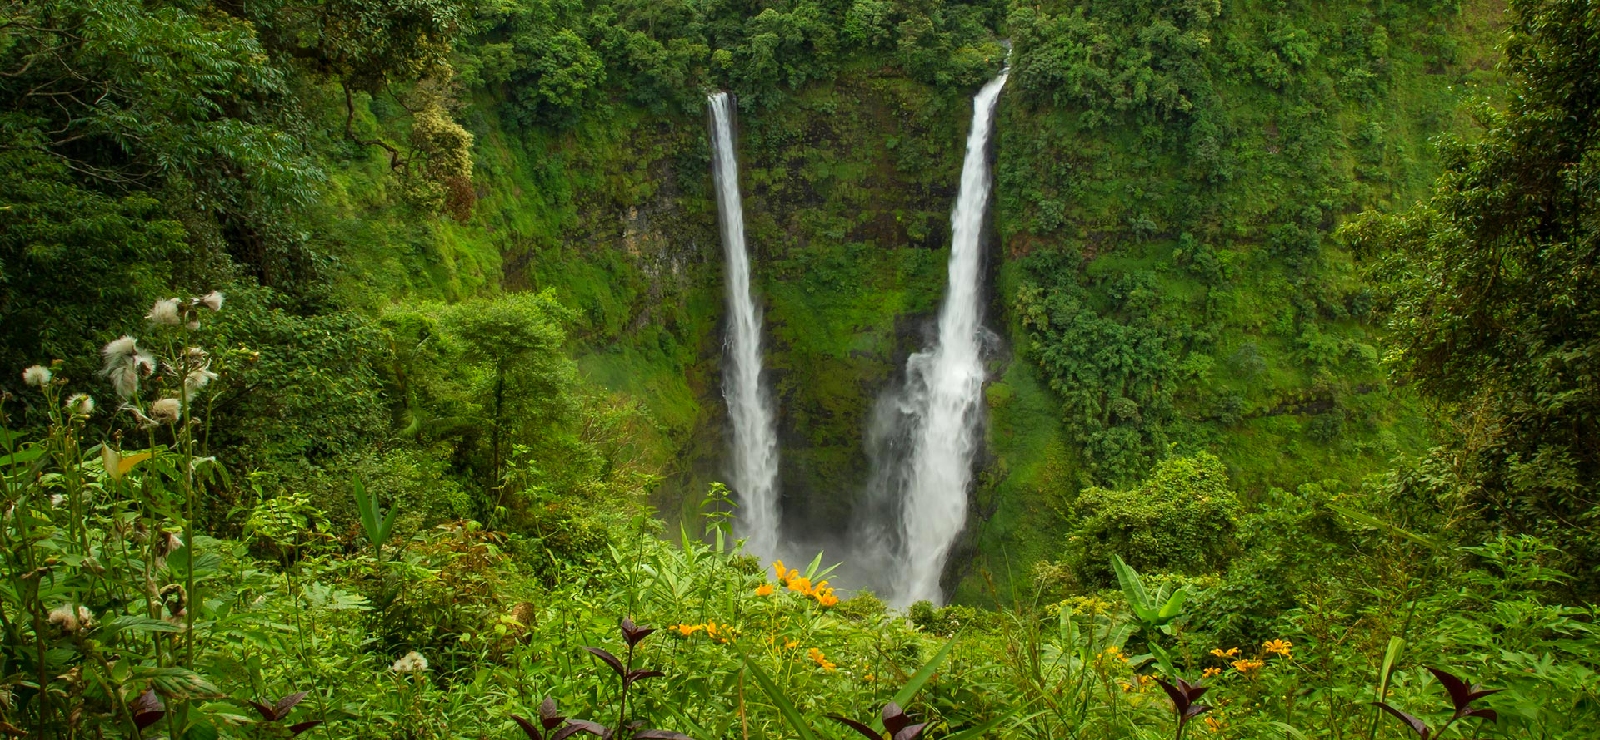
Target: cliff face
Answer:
pixel 1166 271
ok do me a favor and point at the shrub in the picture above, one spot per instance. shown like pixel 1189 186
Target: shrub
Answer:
pixel 1182 519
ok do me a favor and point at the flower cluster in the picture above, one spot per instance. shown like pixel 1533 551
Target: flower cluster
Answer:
pixel 799 584
pixel 821 660
pixel 1247 666
pixel 717 632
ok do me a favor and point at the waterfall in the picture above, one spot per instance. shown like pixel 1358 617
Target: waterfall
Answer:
pixel 944 384
pixel 755 438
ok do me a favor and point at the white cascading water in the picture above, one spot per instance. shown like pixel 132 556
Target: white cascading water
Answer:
pixel 755 437
pixel 949 382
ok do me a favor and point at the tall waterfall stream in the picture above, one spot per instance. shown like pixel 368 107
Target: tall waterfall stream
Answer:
pixel 750 408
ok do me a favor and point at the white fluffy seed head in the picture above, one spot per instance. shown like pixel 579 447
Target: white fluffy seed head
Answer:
pixel 38 375
pixel 124 364
pixel 411 662
pixel 212 300
pixel 80 404
pixel 71 618
pixel 166 312
pixel 197 379
pixel 166 410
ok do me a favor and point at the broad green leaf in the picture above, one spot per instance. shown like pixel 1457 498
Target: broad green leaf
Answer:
pixel 785 707
pixel 1390 655
pixel 1174 605
pixel 921 677
pixel 1133 588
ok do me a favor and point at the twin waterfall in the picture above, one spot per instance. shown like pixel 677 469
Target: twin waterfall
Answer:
pixel 755 434
pixel 947 383
pixel 916 505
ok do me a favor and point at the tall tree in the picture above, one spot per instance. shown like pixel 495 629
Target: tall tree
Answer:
pixel 1495 289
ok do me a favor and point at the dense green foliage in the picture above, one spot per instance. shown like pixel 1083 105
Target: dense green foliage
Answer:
pixel 469 337
pixel 1493 289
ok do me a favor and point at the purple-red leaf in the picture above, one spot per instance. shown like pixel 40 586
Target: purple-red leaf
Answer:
pixel 267 713
pixel 640 675
pixel 1461 694
pixel 296 729
pixel 661 735
pixel 527 727
pixel 575 726
pixel 1179 697
pixel 147 709
pixel 894 718
pixel 281 709
pixel 549 716
pixel 857 726
pixel 909 732
pixel 610 660
pixel 1195 710
pixel 1416 725
pixel 633 633
pixel 1488 714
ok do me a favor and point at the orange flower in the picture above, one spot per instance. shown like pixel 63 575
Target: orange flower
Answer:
pixel 764 589
pixel 822 661
pixel 689 629
pixel 799 585
pixel 1225 654
pixel 1209 672
pixel 1278 647
pixel 777 566
pixel 1247 666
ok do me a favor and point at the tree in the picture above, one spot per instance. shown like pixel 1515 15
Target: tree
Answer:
pixel 1495 291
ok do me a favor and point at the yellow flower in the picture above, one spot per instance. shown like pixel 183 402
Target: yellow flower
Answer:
pixel 1209 672
pixel 1225 654
pixel 1213 724
pixel 764 589
pixel 800 585
pixel 867 677
pixel 791 644
pixel 777 565
pixel 1278 647
pixel 1115 653
pixel 689 629
pixel 1247 666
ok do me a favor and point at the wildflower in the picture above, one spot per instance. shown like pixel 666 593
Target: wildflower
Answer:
pixel 764 589
pixel 1213 724
pixel 1247 665
pixel 80 404
pixel 125 363
pixel 778 567
pixel 1115 653
pixel 166 410
pixel 1209 673
pixel 197 379
pixel 165 312
pixel 212 300
pixel 56 500
pixel 37 375
pixel 821 660
pixel 801 586
pixel 71 619
pixel 688 629
pixel 1278 647
pixel 791 644
pixel 1226 654
pixel 411 662
pixel 825 598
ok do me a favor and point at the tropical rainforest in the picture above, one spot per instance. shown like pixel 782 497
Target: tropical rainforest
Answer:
pixel 364 367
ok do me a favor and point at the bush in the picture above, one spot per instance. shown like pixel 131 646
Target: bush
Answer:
pixel 1183 519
